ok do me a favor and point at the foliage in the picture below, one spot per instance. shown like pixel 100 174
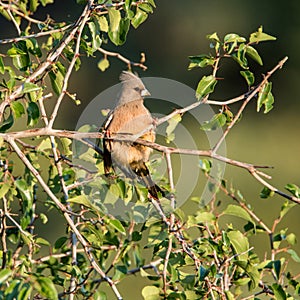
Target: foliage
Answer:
pixel 193 256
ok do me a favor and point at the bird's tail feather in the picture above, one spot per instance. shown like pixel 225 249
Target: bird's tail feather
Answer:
pixel 141 170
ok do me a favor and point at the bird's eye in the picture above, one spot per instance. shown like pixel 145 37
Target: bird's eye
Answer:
pixel 137 89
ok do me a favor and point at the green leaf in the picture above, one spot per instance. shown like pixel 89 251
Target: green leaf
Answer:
pixel 201 61
pixel 46 288
pixel 4 189
pixel 103 64
pixel 217 121
pixel 7 123
pixel 260 36
pixel 265 97
pixel 42 241
pixel 249 76
pixel 287 205
pixel 103 24
pixel 235 210
pixel 229 295
pixel 45 2
pixel 2 69
pixel 116 224
pixel 33 47
pixel 277 268
pixel 59 243
pixel 215 41
pixel 118 36
pixel 120 272
pixel 151 293
pixel 291 239
pixel 205 86
pixel 205 165
pixel 114 19
pixel 95 33
pixel 33 5
pixel 266 193
pixel 19 53
pixel 24 189
pixel 233 38
pixel 66 144
pixel 82 200
pixel 279 293
pixel 33 114
pixel 29 87
pixel 139 17
pixel 172 124
pixel 44 145
pixel 146 7
pixel 17 109
pixel 293 189
pixel 57 75
pixel 100 295
pixel 240 57
pixel 4 275
pixel 294 255
pixel 239 243
pixel 25 292
pixel 252 52
pixel 251 271
pixel 203 272
pixel 43 218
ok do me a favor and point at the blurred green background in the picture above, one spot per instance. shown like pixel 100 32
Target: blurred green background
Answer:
pixel 178 29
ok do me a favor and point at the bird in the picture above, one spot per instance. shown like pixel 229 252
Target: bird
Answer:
pixel 130 117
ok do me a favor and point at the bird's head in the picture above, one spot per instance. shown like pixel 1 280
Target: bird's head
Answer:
pixel 132 88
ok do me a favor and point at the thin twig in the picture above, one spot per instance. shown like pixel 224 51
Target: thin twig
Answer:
pixel 122 58
pixel 35 35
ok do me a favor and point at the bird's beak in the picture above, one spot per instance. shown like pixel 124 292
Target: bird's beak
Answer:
pixel 145 93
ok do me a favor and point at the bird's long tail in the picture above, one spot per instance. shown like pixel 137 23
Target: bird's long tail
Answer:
pixel 141 170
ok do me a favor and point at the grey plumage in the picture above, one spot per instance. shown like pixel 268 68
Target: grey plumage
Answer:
pixel 131 117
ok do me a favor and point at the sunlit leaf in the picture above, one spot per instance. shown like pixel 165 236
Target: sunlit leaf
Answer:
pixel 252 52
pixel 17 109
pixel 294 189
pixel 279 292
pixel 4 275
pixel 265 97
pixel 57 75
pixel 116 224
pixel 95 33
pixel 2 69
pixel 151 293
pixel 251 271
pixel 286 207
pixel 200 61
pixel 205 86
pixel 139 17
pixel 217 121
pixel 240 244
pixel 103 24
pixel 266 193
pixel 103 64
pixel 46 288
pixel 260 36
pixel 29 87
pixel 294 255
pixel 172 124
pixel 235 210
pixel 240 57
pixel 249 76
